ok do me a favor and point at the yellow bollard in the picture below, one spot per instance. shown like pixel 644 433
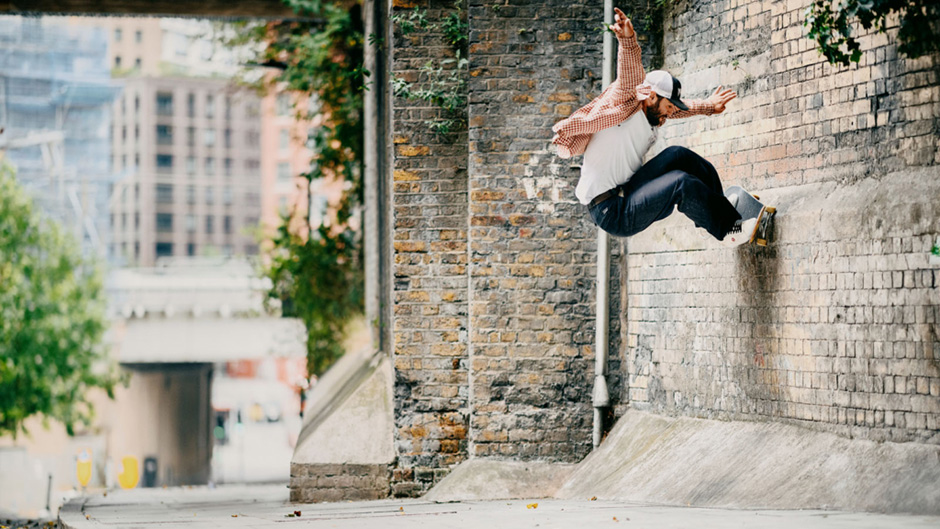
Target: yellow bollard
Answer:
pixel 131 474
pixel 83 467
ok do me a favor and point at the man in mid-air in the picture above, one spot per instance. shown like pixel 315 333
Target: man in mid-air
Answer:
pixel 614 132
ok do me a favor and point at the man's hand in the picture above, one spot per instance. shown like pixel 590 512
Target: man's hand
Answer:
pixel 622 27
pixel 720 98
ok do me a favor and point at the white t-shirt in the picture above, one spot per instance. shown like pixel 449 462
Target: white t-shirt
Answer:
pixel 614 155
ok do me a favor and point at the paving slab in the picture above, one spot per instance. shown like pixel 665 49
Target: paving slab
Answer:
pixel 268 507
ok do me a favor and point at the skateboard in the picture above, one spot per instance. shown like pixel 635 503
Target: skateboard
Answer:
pixel 750 207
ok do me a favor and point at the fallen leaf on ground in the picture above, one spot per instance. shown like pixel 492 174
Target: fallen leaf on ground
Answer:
pixel 402 509
pixel 593 498
pixel 297 514
pixel 615 519
pixel 234 516
pixel 532 506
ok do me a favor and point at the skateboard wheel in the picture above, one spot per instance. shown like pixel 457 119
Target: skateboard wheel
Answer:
pixel 771 210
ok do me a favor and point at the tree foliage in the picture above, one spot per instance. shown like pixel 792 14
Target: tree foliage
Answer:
pixel 831 22
pixel 51 319
pixel 318 276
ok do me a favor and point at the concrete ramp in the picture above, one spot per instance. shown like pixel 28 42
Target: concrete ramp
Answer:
pixel 684 461
pixel 491 479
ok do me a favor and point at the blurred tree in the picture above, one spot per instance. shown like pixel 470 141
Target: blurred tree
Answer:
pixel 830 24
pixel 51 319
pixel 317 273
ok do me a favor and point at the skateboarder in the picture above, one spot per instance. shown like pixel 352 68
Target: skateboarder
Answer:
pixel 614 132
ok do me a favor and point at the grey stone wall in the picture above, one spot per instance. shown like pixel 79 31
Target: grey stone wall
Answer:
pixel 834 326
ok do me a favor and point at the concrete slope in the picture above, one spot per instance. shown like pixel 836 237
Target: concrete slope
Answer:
pixel 491 479
pixel 349 415
pixel 683 461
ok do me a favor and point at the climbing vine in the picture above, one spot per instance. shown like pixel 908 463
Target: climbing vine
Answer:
pixel 832 25
pixel 444 84
pixel 317 274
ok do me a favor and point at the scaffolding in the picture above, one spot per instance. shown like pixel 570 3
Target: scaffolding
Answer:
pixel 56 96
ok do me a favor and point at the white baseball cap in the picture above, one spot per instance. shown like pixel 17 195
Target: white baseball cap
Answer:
pixel 664 84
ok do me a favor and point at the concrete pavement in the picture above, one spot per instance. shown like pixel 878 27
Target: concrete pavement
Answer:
pixel 266 506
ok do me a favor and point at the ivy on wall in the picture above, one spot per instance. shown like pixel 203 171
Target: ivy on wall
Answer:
pixel 444 84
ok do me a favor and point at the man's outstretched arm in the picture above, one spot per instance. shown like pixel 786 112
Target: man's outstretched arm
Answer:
pixel 629 60
pixel 715 104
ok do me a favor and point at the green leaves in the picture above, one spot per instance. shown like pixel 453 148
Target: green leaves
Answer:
pixel 445 80
pixel 52 319
pixel 317 274
pixel 831 26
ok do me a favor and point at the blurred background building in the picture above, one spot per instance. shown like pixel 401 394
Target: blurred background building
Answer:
pixel 135 133
pixel 56 95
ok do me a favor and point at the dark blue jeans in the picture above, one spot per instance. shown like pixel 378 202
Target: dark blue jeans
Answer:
pixel 675 177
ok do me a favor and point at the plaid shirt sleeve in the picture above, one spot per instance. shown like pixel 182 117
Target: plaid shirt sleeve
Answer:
pixel 617 103
pixel 697 107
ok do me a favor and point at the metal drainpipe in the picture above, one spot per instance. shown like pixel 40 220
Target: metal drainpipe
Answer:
pixel 601 398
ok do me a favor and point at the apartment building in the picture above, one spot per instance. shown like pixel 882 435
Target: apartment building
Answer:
pixel 193 150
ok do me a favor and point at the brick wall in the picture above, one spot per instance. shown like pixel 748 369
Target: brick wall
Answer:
pixel 315 483
pixel 835 326
pixel 430 326
pixel 532 260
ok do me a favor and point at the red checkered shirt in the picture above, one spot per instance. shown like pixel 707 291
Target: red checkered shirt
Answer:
pixel 616 103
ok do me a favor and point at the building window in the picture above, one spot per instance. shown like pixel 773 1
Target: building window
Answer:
pixel 137 160
pixel 252 167
pixel 252 138
pixel 190 223
pixel 164 135
pixel 282 105
pixel 191 105
pixel 164 104
pixel 210 106
pixel 124 133
pixel 228 138
pixel 164 163
pixel 252 198
pixel 210 166
pixel 136 221
pixel 136 103
pixel 139 36
pixel 210 226
pixel 190 249
pixel 164 222
pixel 164 249
pixel 227 196
pixel 117 35
pixel 284 139
pixel 136 132
pixel 137 63
pixel 228 167
pixel 228 107
pixel 191 136
pixel 117 61
pixel 190 165
pixel 227 224
pixel 210 195
pixel 190 194
pixel 283 172
pixel 209 138
pixel 251 109
pixel 164 193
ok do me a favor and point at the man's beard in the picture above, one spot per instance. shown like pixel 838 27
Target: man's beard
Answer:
pixel 654 115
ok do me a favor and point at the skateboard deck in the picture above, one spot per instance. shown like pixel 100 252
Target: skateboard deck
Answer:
pixel 750 207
